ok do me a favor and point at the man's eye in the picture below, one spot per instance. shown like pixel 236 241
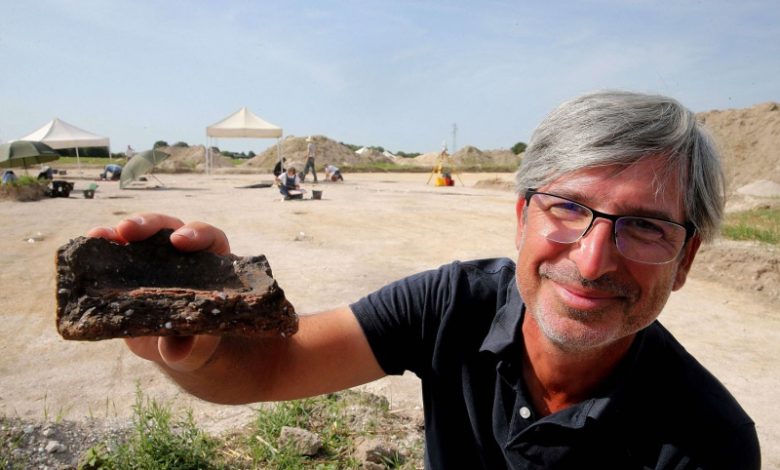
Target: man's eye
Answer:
pixel 643 228
pixel 567 210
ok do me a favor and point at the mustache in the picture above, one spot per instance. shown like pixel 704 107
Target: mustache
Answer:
pixel 606 283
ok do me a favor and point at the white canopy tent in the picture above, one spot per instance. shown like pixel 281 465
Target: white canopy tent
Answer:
pixel 242 124
pixel 59 134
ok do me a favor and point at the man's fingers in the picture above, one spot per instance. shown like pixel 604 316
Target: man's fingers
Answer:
pixel 194 236
pixel 144 347
pixel 109 233
pixel 143 225
pixel 198 236
pixel 187 353
pixel 181 353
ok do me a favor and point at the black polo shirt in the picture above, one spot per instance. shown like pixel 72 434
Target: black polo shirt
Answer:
pixel 458 329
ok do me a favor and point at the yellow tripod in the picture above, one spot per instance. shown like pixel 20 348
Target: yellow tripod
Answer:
pixel 441 161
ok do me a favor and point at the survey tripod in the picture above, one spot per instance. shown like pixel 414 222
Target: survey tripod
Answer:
pixel 442 160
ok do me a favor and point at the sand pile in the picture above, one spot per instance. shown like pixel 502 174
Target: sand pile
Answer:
pixel 476 158
pixel 374 155
pixel 750 141
pixel 192 158
pixel 468 157
pixel 426 160
pixel 330 151
pixel 294 150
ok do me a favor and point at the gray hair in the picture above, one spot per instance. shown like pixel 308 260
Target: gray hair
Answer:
pixel 621 128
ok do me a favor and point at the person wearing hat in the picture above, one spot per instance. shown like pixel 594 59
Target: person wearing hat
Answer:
pixel 311 150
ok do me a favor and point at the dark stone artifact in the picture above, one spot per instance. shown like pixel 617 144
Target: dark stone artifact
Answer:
pixel 149 288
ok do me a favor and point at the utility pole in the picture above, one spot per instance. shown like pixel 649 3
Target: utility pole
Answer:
pixel 454 137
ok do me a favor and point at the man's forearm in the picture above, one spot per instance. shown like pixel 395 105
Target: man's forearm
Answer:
pixel 241 370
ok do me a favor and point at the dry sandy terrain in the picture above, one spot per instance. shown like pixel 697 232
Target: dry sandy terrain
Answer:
pixel 372 229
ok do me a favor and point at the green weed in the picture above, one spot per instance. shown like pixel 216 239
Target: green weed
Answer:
pixel 159 441
pixel 761 225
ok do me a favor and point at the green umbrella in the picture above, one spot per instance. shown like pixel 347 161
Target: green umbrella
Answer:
pixel 141 164
pixel 24 153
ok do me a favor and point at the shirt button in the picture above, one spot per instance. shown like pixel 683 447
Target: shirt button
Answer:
pixel 525 413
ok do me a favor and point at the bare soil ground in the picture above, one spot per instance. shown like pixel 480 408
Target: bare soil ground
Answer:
pixel 370 230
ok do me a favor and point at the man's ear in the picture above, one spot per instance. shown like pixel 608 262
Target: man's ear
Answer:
pixel 689 253
pixel 520 213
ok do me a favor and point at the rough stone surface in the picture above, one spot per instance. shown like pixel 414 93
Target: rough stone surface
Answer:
pixel 304 442
pixel 149 288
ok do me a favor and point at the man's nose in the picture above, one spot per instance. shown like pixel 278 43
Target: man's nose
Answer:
pixel 595 254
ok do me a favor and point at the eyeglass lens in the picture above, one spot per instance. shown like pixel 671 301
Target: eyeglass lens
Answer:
pixel 642 239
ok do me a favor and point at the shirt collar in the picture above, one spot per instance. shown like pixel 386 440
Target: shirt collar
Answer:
pixel 505 330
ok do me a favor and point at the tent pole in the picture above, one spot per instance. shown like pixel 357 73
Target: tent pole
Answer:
pixel 78 161
pixel 279 151
pixel 208 154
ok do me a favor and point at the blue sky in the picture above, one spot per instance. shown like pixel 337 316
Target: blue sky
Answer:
pixel 397 73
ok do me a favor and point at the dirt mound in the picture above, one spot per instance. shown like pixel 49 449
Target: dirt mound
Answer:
pixel 192 158
pixel 294 151
pixel 760 188
pixel 747 266
pixel 426 160
pixel 374 155
pixel 467 157
pixel 495 183
pixel 23 193
pixel 473 157
pixel 749 139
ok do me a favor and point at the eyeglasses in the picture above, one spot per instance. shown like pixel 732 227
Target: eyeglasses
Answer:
pixel 641 239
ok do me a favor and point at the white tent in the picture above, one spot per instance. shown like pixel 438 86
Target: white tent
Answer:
pixel 59 134
pixel 242 124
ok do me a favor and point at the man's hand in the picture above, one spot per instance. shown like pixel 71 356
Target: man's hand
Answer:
pixel 329 352
pixel 183 353
pixel 194 236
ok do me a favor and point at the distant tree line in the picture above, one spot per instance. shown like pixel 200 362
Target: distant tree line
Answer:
pixel 519 148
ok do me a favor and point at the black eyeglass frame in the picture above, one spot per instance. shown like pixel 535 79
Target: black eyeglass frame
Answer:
pixel 690 230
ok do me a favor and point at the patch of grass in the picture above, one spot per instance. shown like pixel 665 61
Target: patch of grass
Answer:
pixel 24 188
pixel 325 415
pixel 761 225
pixel 159 441
pixel 9 440
pixel 338 419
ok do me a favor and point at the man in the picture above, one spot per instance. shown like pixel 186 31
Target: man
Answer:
pixel 311 152
pixel 333 173
pixel 279 167
pixel 46 173
pixel 555 362
pixel 112 172
pixel 289 181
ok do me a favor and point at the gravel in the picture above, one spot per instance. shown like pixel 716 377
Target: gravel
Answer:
pixel 34 445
